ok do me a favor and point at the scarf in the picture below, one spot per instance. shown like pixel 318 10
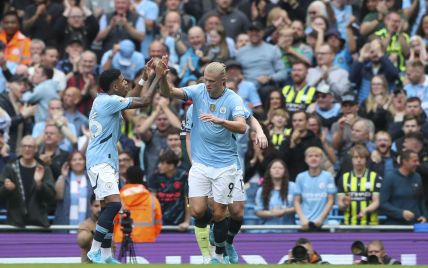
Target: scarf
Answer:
pixel 78 198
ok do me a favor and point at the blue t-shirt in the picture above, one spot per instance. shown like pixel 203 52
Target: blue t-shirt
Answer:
pixel 213 145
pixel 248 92
pixel 275 201
pixel 314 192
pixel 104 125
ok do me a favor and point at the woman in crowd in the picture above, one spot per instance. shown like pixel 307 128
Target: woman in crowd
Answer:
pixel 274 199
pixel 72 190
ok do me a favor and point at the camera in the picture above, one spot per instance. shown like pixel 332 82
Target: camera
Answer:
pixel 358 248
pixel 126 222
pixel 299 255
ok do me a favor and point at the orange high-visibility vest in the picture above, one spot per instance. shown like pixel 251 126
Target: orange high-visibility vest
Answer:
pixel 145 212
pixel 17 49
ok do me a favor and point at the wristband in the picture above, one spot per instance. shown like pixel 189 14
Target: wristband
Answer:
pixel 141 82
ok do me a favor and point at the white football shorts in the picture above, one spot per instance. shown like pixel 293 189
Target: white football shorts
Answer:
pixel 104 180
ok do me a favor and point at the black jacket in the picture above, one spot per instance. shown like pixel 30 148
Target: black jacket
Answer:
pixel 295 157
pixel 34 211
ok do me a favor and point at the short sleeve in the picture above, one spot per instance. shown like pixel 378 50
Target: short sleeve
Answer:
pixel 378 184
pixel 297 188
pixel 116 103
pixel 247 113
pixel 254 97
pixel 152 12
pixel 258 200
pixel 103 22
pixel 331 187
pixel 192 92
pixel 189 121
pixel 237 107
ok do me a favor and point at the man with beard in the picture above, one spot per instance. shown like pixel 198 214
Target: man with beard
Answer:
pixel 383 159
pixel 325 107
pixel 299 40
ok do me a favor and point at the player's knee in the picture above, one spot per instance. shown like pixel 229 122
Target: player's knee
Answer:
pixel 203 219
pixel 219 215
pixel 236 211
pixel 197 213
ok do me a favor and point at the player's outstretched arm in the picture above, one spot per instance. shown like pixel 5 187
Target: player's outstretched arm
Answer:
pixel 166 89
pixel 147 76
pixel 148 92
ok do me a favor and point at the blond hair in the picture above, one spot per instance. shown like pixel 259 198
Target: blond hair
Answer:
pixel 216 67
pixel 315 150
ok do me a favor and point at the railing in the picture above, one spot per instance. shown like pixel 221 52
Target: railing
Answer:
pixel 329 227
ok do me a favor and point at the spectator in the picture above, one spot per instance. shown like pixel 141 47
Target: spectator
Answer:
pixel 241 41
pixel 84 78
pixel 45 90
pixel 86 230
pixel 170 184
pixel 246 89
pixel 19 113
pixel 298 95
pixel 125 58
pixel 49 151
pixel 344 14
pixel 342 129
pixel 119 25
pixel 125 161
pixel 401 198
pixel 17 45
pixel 315 125
pixel 374 20
pixel 298 40
pixel 327 110
pixel 383 158
pixel 326 72
pixel 143 206
pixel 269 70
pixel 418 83
pixel 176 6
pixel 173 142
pixel 217 47
pixel 172 38
pixel 190 61
pixel 372 61
pixel 164 119
pixel 70 60
pixel 75 23
pixel 68 130
pixel 27 187
pixel 6 154
pixel 314 193
pixel 342 48
pixel 211 23
pixel 278 131
pixel 410 125
pixel 73 192
pixel 39 18
pixel 49 58
pixel 37 47
pixel 274 199
pixel 294 147
pixel 233 20
pixel 148 10
pixel 6 69
pixel 290 54
pixel 358 190
pixel 376 106
pixel 423 31
pixel 71 98
pixel 395 40
pixel 417 51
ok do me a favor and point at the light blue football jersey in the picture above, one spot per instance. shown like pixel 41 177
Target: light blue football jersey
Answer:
pixel 211 144
pixel 188 127
pixel 104 124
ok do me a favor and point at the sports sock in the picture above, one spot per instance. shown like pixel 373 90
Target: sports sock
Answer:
pixel 234 227
pixel 202 239
pixel 105 224
pixel 220 235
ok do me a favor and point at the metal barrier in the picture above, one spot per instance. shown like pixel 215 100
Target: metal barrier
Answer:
pixel 329 227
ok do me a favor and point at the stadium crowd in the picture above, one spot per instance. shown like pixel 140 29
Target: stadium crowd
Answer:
pixel 340 87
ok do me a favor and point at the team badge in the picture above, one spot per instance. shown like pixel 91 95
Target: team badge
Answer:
pixel 109 185
pixel 212 107
pixel 222 110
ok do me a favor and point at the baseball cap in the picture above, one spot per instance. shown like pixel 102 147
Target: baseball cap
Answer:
pixel 256 25
pixel 17 78
pixel 126 50
pixel 349 97
pixel 334 32
pixel 75 39
pixel 232 64
pixel 324 89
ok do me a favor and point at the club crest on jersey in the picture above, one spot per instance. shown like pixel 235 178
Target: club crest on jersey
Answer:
pixel 212 107
pixel 222 110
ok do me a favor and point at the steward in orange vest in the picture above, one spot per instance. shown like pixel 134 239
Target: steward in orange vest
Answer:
pixel 17 45
pixel 144 207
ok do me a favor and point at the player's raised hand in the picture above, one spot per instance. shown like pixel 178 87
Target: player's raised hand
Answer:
pixel 148 68
pixel 162 67
pixel 211 118
pixel 261 140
